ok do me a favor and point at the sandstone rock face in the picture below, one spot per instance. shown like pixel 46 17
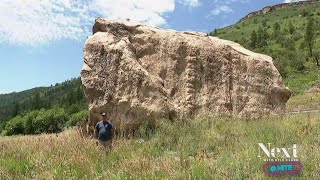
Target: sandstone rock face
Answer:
pixel 135 73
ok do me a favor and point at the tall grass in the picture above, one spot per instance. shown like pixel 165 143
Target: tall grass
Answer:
pixel 205 148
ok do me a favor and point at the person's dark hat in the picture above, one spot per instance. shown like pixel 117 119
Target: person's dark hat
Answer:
pixel 103 114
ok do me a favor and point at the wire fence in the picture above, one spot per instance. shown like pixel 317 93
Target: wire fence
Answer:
pixel 303 111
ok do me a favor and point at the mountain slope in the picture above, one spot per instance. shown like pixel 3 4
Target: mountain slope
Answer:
pixel 282 34
pixel 67 95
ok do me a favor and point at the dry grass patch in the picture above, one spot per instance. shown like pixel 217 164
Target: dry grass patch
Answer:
pixel 207 148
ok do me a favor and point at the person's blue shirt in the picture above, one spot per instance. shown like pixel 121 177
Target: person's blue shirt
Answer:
pixel 104 130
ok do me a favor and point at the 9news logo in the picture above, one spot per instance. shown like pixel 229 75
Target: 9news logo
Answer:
pixel 280 160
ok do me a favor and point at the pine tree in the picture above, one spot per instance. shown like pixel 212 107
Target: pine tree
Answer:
pixel 262 36
pixel 264 23
pixel 291 28
pixel 16 109
pixel 253 39
pixel 276 29
pixel 309 36
pixel 316 56
pixel 79 94
pixel 36 102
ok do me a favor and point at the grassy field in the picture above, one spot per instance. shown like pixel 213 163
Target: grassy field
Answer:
pixel 305 101
pixel 206 148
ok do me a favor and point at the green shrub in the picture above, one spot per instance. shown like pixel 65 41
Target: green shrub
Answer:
pixel 297 62
pixel 281 66
pixel 37 121
pixel 76 117
pixel 50 121
pixel 28 122
pixel 2 126
pixel 74 108
pixel 15 126
pixel 297 36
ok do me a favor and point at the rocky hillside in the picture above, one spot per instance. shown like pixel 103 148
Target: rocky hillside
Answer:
pixel 290 33
pixel 269 9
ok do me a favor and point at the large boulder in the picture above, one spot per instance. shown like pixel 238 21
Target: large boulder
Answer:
pixel 139 73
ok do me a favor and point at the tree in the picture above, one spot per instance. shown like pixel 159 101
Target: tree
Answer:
pixel 262 37
pixel 16 109
pixel 264 23
pixel 288 43
pixel 29 117
pixel 309 36
pixel 281 64
pixel 14 126
pixel 265 35
pixel 291 28
pixel 214 33
pixel 71 97
pixel 35 103
pixel 305 13
pixel 296 60
pixel 79 94
pixel 76 117
pixel 253 39
pixel 276 29
pixel 316 56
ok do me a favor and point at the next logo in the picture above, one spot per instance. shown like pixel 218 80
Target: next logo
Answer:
pixel 278 152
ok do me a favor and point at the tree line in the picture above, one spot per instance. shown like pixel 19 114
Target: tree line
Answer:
pixel 41 110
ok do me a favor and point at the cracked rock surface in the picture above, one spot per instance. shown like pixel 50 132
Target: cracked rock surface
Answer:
pixel 138 73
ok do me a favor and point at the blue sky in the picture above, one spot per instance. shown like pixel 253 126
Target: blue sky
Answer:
pixel 41 41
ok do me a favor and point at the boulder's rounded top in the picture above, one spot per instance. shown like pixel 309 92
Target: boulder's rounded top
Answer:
pixel 107 25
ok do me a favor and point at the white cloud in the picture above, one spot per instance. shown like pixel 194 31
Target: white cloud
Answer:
pixel 37 22
pixel 230 1
pixel 144 11
pixel 190 3
pixel 221 9
pixel 290 1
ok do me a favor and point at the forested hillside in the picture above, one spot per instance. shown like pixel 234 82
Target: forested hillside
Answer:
pixel 290 35
pixel 65 99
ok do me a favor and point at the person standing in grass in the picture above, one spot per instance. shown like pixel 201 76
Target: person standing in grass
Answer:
pixel 104 132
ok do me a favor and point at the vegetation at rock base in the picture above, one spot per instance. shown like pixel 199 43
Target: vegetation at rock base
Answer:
pixel 206 148
pixel 42 121
pixel 290 35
